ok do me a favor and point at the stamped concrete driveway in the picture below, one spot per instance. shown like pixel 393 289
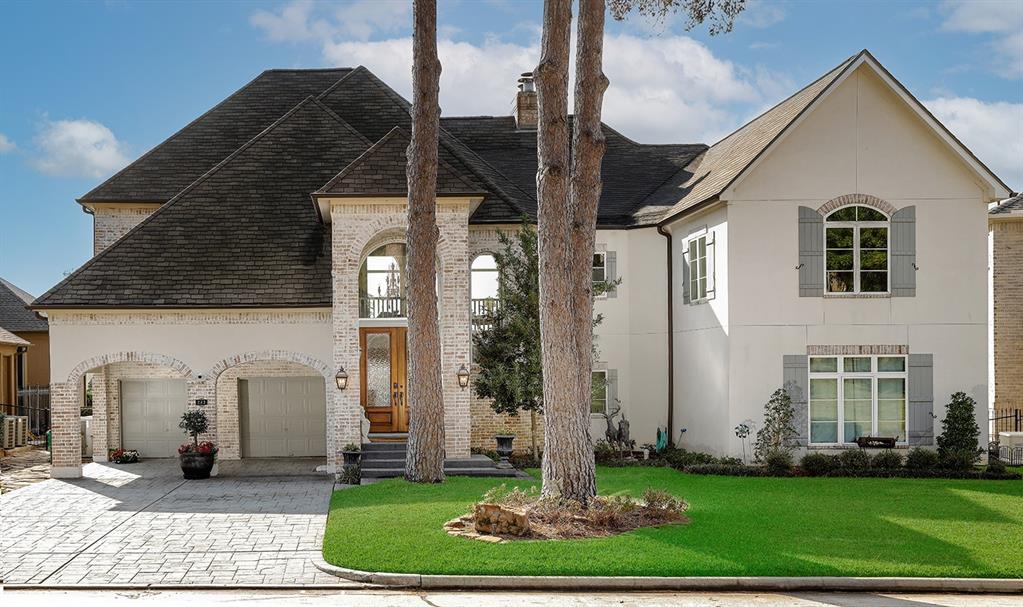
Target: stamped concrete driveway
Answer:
pixel 258 523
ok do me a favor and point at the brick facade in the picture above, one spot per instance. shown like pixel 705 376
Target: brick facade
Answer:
pixel 1007 286
pixel 863 199
pixel 112 222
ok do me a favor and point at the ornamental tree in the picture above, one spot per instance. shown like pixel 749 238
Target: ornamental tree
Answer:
pixel 959 430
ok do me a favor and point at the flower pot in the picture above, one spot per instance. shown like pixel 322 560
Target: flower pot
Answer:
pixel 504 449
pixel 351 468
pixel 196 466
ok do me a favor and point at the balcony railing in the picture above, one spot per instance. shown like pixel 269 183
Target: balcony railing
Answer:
pixel 382 307
pixel 482 310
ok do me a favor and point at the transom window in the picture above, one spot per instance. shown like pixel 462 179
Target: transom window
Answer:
pixel 856 242
pixel 853 396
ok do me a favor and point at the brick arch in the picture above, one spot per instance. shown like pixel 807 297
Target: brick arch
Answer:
pixel 856 199
pixel 129 356
pixel 380 230
pixel 269 356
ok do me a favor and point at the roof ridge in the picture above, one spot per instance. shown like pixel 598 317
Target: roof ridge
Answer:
pixel 22 294
pixel 306 69
pixel 344 172
pixel 170 203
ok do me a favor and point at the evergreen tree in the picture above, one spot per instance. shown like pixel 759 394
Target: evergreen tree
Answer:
pixel 959 430
pixel 776 435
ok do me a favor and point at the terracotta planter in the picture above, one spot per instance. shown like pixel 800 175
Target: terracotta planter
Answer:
pixel 196 466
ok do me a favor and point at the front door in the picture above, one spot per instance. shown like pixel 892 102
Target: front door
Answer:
pixel 382 371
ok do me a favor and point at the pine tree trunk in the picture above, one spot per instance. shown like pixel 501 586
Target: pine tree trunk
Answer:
pixel 425 460
pixel 568 470
pixel 532 434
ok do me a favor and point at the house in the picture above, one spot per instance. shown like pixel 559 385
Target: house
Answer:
pixel 253 265
pixel 31 364
pixel 1005 222
pixel 11 349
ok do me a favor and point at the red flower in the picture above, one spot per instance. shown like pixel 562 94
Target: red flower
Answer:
pixel 185 448
pixel 207 448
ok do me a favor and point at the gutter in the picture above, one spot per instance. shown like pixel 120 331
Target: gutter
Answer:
pixel 671 339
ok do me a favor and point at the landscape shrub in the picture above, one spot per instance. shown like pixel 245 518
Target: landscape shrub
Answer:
pixel 924 473
pixel 818 464
pixel 779 463
pixel 960 433
pixel 996 466
pixel 777 433
pixel 886 459
pixel 730 470
pixel 854 459
pixel 681 458
pixel 957 459
pixel 920 458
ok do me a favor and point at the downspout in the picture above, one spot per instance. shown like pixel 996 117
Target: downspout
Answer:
pixel 671 341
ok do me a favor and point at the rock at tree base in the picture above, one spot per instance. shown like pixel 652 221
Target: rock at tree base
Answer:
pixel 495 519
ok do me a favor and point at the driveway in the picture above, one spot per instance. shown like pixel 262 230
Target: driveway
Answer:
pixel 259 523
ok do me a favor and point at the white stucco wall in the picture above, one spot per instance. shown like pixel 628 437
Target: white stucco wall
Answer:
pixel 861 139
pixel 633 335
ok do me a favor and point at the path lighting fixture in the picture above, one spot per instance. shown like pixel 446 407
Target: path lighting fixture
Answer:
pixel 341 378
pixel 463 377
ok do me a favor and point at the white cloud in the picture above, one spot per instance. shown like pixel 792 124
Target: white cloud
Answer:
pixel 303 20
pixel 760 14
pixel 992 130
pixel 6 145
pixel 682 93
pixel 82 148
pixel 1002 19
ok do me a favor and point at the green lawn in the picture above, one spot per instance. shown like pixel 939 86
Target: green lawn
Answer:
pixel 739 526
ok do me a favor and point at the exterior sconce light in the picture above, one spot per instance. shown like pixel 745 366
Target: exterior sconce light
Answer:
pixel 463 377
pixel 341 378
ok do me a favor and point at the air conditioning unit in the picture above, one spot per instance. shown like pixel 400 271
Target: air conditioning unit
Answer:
pixel 20 431
pixel 7 433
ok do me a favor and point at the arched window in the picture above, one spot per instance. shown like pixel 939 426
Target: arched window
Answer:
pixel 483 284
pixel 382 282
pixel 856 250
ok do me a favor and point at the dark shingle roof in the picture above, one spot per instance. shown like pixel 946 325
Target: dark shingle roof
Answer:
pixel 14 312
pixel 381 171
pixel 630 171
pixel 243 235
pixel 186 155
pixel 1010 205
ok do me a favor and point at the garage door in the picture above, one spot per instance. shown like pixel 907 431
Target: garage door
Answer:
pixel 150 412
pixel 282 417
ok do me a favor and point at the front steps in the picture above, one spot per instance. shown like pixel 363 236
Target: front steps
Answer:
pixel 387 460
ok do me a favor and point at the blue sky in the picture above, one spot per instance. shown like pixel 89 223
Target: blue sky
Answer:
pixel 89 87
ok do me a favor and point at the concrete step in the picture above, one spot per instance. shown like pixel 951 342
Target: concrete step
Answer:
pixel 474 472
pixel 389 460
pixel 375 447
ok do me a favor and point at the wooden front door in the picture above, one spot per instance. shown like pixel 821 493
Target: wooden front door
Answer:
pixel 382 369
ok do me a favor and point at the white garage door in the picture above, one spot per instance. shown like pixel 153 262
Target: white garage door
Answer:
pixel 282 417
pixel 150 412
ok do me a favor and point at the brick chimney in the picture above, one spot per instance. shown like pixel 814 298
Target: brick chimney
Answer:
pixel 525 103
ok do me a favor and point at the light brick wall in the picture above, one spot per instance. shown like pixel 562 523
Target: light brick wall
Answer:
pixel 1007 268
pixel 356 229
pixel 486 424
pixel 110 223
pixel 228 433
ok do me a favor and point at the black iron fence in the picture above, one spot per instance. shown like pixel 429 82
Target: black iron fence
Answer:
pixel 1007 420
pixel 34 404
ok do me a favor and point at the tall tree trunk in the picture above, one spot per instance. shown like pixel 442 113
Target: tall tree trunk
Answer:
pixel 425 460
pixel 587 153
pixel 532 434
pixel 568 456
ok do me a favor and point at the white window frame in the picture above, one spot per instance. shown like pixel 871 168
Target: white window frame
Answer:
pixel 607 391
pixel 709 254
pixel 603 270
pixel 840 376
pixel 856 227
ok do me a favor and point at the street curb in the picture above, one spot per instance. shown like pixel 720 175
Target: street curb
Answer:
pixel 598 583
pixel 188 587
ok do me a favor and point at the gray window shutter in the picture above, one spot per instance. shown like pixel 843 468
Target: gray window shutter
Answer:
pixel 612 391
pixel 921 399
pixel 795 379
pixel 811 253
pixel 903 243
pixel 685 276
pixel 611 272
pixel 711 261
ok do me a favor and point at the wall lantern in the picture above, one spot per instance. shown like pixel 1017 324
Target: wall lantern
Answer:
pixel 341 378
pixel 463 377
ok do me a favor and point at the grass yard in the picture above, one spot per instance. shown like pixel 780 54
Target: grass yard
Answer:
pixel 739 526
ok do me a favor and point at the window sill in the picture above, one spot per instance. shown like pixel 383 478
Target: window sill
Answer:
pixel 857 295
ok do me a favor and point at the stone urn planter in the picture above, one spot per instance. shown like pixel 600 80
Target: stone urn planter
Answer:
pixel 195 465
pixel 351 465
pixel 504 449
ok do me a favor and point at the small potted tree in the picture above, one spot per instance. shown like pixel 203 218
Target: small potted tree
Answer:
pixel 351 470
pixel 196 458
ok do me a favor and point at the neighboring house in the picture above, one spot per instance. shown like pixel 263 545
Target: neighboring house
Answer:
pixel 259 252
pixel 11 348
pixel 33 364
pixel 1006 231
